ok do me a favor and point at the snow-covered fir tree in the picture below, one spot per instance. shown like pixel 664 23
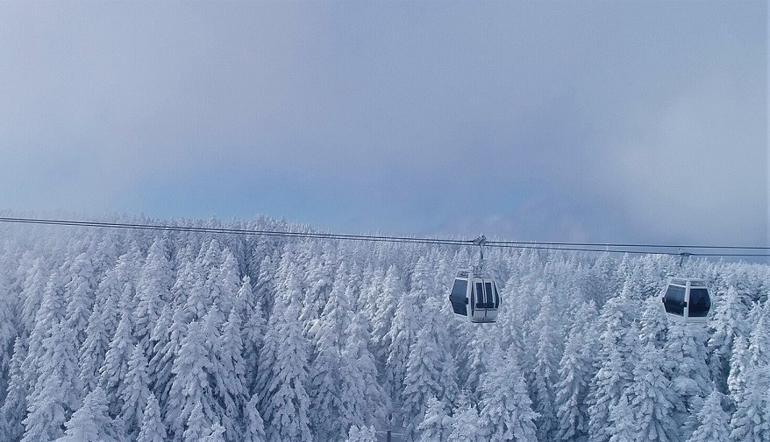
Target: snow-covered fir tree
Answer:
pixel 91 423
pixel 437 424
pixel 713 421
pixel 506 409
pixel 152 429
pixel 361 434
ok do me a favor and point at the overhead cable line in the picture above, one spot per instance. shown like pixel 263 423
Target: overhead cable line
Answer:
pixel 635 245
pixel 657 249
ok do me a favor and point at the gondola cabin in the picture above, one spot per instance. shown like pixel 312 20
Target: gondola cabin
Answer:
pixel 475 297
pixel 687 300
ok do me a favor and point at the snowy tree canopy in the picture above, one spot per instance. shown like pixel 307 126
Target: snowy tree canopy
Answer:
pixel 155 336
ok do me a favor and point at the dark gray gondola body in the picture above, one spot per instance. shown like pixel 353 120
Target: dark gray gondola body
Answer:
pixel 687 300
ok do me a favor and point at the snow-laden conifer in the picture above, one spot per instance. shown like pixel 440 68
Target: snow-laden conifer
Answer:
pixel 622 426
pixel 545 369
pixel 136 391
pixel 685 364
pixel 618 347
pixel 91 422
pixel 167 338
pixel 651 398
pixel 654 324
pixel 327 384
pixel 152 291
pixel 750 422
pixel 726 325
pixel 402 333
pixel 198 425
pixel 254 425
pixel 14 407
pixel 93 350
pixel 190 391
pixel 152 429
pixel 506 409
pixel 284 402
pixel 713 422
pixel 79 294
pixel 361 434
pixel 57 391
pixel 363 397
pixel 113 371
pixel 575 370
pixel 232 389
pixel 423 374
pixel 252 316
pixel 465 425
pixel 437 424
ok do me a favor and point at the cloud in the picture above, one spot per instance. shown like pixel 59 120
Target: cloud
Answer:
pixel 543 121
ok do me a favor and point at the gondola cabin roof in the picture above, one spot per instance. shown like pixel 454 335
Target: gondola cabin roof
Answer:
pixel 694 282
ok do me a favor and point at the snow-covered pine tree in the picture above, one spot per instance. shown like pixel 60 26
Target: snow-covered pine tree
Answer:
pixel 227 281
pixel 402 333
pixel 190 389
pixel 545 369
pixel 423 373
pixel 198 425
pixel 284 402
pixel 51 312
pixel 32 291
pixel 651 398
pixel 437 424
pixel 57 391
pixel 749 421
pixel 726 325
pixel 363 397
pixel 136 392
pixel 252 316
pixel 713 421
pixel 254 426
pixel 618 346
pixel 686 366
pixel 465 425
pixel 575 370
pixel 113 371
pixel 327 385
pixel 231 388
pixel 319 279
pixel 654 324
pixel 91 423
pixel 167 338
pixel 387 301
pixel 215 434
pixel 739 360
pixel 506 409
pixel 361 434
pixel 622 423
pixel 15 405
pixel 79 294
pixel 93 350
pixel 152 291
pixel 152 429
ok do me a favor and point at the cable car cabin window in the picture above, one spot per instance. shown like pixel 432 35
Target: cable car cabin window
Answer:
pixel 457 297
pixel 674 300
pixel 480 295
pixel 459 290
pixel 490 295
pixel 699 303
pixel 497 298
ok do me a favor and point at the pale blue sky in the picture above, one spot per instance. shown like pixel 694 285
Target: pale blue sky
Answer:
pixel 530 120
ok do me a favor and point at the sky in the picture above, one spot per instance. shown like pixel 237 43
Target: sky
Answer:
pixel 599 121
